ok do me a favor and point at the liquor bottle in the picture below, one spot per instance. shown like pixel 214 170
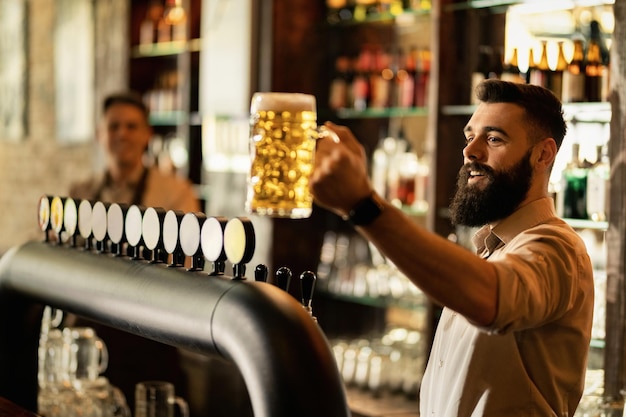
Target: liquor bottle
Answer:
pixel 405 79
pixel 539 72
pixel 574 75
pixel 335 11
pixel 481 71
pixel 338 95
pixel 574 186
pixel 594 71
pixel 597 61
pixel 496 66
pixel 422 77
pixel 380 80
pixel 148 28
pixel 556 76
pixel 175 16
pixel 511 71
pixel 360 89
pixel 598 185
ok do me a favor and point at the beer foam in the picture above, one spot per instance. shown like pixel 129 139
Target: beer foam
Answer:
pixel 282 102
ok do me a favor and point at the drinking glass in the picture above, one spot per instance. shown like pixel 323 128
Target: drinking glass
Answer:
pixel 157 399
pixel 283 133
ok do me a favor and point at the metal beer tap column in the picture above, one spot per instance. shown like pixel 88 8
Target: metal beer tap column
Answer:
pixel 234 318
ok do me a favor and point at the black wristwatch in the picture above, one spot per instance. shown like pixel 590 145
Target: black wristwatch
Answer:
pixel 366 211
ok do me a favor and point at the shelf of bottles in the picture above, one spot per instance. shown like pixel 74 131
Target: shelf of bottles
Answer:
pixel 164 35
pixel 380 80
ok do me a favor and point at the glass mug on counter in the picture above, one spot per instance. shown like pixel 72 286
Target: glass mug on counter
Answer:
pixel 283 134
pixel 157 399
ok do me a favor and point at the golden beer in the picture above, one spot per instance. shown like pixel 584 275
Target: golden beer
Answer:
pixel 283 131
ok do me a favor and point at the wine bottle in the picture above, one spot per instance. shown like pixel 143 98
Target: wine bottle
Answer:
pixel 594 71
pixel 422 77
pixel 481 71
pixel 598 185
pixel 405 79
pixel 511 71
pixel 574 76
pixel 556 76
pixel 338 94
pixel 539 72
pixel 574 186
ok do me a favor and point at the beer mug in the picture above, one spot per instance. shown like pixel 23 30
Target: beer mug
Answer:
pixel 89 356
pixel 157 399
pixel 283 134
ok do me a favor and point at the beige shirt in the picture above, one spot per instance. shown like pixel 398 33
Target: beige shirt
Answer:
pixel 165 191
pixel 531 361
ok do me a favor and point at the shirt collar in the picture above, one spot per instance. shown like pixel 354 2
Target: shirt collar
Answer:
pixel 489 238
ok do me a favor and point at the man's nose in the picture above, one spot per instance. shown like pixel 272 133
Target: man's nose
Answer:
pixel 473 151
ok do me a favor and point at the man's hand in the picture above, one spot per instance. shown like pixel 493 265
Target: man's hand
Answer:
pixel 340 179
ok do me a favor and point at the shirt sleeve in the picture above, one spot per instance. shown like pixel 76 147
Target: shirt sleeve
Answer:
pixel 539 275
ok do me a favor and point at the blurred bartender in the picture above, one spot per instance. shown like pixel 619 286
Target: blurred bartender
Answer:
pixel 123 134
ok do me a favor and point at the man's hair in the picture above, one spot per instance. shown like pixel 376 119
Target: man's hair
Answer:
pixel 131 98
pixel 543 109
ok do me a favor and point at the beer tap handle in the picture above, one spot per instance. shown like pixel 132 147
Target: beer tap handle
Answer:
pixel 283 278
pixel 218 268
pixel 239 271
pixel 307 285
pixel 260 273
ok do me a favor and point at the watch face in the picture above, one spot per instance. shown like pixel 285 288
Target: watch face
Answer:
pixel 239 240
pixel 212 239
pixel 43 213
pixel 133 224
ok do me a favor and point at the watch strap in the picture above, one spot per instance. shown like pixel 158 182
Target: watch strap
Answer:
pixel 366 211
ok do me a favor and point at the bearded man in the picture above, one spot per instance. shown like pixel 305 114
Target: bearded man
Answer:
pixel 516 325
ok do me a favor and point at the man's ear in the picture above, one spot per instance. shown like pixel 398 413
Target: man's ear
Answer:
pixel 546 153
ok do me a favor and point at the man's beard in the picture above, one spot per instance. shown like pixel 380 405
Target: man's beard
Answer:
pixel 473 206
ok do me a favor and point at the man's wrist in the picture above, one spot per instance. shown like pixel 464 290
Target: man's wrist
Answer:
pixel 366 210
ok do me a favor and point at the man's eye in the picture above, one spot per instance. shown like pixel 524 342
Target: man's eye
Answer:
pixel 468 140
pixel 493 139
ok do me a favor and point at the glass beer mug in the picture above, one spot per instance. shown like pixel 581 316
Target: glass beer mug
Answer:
pixel 283 133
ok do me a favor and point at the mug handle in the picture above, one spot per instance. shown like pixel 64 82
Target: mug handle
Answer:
pixel 182 405
pixel 324 132
pixel 103 363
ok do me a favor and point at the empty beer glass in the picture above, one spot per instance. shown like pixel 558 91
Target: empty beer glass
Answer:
pixel 157 399
pixel 283 133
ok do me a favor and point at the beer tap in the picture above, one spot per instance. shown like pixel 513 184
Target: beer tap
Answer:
pixel 260 273
pixel 171 238
pixel 70 220
pixel 85 210
pixel 152 233
pixel 43 216
pixel 239 244
pixel 56 217
pixel 190 228
pixel 307 285
pixel 212 243
pixel 99 225
pixel 132 227
pixel 115 227
pixel 283 278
